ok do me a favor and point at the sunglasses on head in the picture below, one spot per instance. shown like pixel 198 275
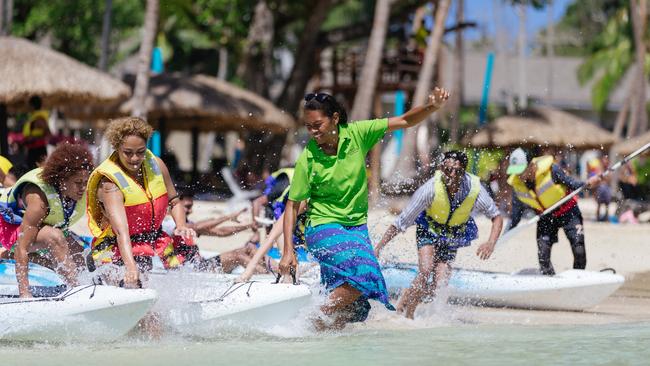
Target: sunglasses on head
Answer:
pixel 320 97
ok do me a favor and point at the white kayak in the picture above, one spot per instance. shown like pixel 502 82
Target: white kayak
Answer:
pixel 204 304
pixel 82 313
pixel 570 290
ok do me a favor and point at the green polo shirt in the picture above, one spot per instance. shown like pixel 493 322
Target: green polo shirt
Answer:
pixel 336 186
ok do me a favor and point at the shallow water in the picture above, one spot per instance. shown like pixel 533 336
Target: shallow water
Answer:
pixel 453 344
pixel 442 334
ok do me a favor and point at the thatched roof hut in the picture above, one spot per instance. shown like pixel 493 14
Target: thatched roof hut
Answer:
pixel 628 146
pixel 204 102
pixel 27 70
pixel 544 127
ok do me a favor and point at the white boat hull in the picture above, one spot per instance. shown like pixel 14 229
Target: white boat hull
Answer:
pixel 207 303
pixel 570 290
pixel 84 313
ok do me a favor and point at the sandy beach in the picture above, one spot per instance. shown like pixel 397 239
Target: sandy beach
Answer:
pixel 622 247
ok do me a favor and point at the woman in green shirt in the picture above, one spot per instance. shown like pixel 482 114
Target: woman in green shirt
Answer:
pixel 331 174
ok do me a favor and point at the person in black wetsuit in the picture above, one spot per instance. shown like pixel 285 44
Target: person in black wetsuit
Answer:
pixel 538 184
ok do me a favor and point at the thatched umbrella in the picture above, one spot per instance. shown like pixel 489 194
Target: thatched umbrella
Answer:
pixel 198 102
pixel 627 147
pixel 27 70
pixel 542 126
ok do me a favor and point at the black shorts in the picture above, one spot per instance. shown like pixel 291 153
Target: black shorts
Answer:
pixel 571 221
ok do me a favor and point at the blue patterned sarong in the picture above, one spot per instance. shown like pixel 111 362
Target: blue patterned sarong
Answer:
pixel 346 256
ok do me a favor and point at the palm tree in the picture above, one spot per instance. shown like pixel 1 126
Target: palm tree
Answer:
pixel 304 65
pixel 406 163
pixel 364 97
pixel 459 75
pixel 366 89
pixel 106 35
pixel 144 58
pixel 6 16
pixel 256 65
pixel 639 122
pixel 615 50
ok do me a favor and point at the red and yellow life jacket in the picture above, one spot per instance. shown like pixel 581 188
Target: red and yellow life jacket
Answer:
pixel 546 192
pixel 145 210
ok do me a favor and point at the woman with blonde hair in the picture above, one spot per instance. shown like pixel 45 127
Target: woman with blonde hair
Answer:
pixel 128 197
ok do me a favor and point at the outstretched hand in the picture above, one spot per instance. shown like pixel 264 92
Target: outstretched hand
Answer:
pixel 438 97
pixel 594 181
pixel 185 232
pixel 485 250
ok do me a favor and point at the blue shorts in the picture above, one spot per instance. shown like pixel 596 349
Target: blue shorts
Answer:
pixel 424 237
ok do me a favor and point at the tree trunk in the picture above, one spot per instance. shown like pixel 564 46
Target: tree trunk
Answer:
pixel 406 163
pixel 550 50
pixel 106 35
pixel 3 17
pixel 144 59
pixel 363 100
pixel 522 101
pixel 222 71
pixel 4 130
pixel 459 76
pixel 365 96
pixel 305 59
pixel 6 16
pixel 255 68
pixel 621 117
pixel 210 137
pixel 639 112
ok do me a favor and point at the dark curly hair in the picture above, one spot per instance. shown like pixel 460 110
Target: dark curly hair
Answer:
pixel 67 159
pixel 457 155
pixel 327 104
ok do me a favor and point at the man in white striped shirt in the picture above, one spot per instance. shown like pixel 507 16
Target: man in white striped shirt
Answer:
pixel 442 209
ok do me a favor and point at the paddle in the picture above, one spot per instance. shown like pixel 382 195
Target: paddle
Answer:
pixel 517 229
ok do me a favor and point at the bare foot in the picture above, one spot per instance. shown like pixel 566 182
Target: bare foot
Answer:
pixel 151 325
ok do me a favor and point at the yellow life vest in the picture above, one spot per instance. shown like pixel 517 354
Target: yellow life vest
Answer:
pixel 546 192
pixel 55 216
pixel 134 194
pixel 29 131
pixel 5 165
pixel 440 210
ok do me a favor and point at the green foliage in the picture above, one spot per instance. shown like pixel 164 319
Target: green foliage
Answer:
pixel 482 162
pixel 582 24
pixel 611 56
pixel 75 27
pixel 643 171
pixel 610 45
pixel 191 31
pixel 348 13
